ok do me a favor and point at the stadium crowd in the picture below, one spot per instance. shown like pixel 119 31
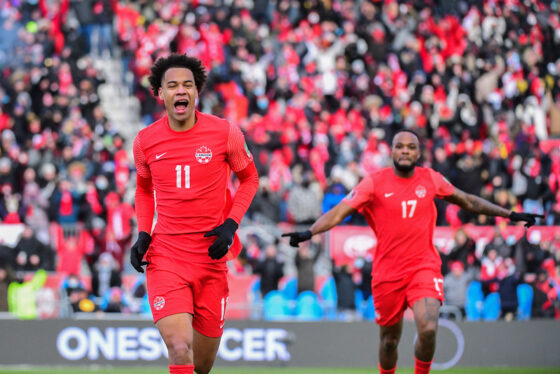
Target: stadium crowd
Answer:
pixel 319 88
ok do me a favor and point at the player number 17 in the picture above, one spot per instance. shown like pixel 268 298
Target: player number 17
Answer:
pixel 410 211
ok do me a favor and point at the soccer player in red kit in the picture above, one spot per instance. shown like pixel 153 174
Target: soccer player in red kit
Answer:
pixel 183 162
pixel 398 204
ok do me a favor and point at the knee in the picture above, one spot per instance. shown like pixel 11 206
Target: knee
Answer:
pixel 389 343
pixel 427 333
pixel 180 350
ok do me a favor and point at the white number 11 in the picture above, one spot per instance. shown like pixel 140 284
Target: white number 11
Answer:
pixel 187 169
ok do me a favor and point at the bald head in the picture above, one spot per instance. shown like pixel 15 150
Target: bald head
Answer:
pixel 406 151
pixel 405 135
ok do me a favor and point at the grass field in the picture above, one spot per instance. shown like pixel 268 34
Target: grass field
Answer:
pixel 285 370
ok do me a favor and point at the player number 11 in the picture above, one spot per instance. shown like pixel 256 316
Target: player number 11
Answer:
pixel 187 169
pixel 410 211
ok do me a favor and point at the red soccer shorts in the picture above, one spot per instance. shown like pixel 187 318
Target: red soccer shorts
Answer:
pixel 181 287
pixel 392 298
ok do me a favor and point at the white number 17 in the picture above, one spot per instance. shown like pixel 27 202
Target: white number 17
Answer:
pixel 412 204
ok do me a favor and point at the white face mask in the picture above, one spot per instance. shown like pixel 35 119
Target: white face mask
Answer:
pixel 101 183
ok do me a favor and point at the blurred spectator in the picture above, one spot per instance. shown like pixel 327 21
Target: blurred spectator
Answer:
pixel 11 208
pixel 113 301
pixel 98 234
pixel 305 259
pixel 463 251
pixel 139 302
pixel 265 206
pixel 71 246
pixel 36 206
pixel 491 263
pixel 270 269
pixel 365 266
pixel 21 295
pixel 345 288
pixel 71 283
pixel 80 302
pixel 455 285
pixel 248 257
pixel 544 296
pixel 76 295
pixel 304 204
pixel 31 254
pixel 85 16
pixel 334 194
pixel 528 254
pixel 536 187
pixel 105 276
pixel 499 244
pixel 65 206
pixel 506 200
pixel 469 179
pixel 6 277
pixel 508 280
pixel 119 227
pixel 101 37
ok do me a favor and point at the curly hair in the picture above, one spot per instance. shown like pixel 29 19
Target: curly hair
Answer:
pixel 176 60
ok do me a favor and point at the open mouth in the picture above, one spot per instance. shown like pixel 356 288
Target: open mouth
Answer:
pixel 181 106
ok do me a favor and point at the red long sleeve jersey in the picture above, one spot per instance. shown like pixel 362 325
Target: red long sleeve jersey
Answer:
pixel 402 213
pixel 188 174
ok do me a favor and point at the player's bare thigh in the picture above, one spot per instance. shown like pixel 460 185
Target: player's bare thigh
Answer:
pixel 205 349
pixel 177 332
pixel 426 313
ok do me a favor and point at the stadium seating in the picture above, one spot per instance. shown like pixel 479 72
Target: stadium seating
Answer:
pixel 359 300
pixel 275 307
pixel 474 304
pixel 308 307
pixel 255 299
pixel 329 298
pixel 369 310
pixel 289 289
pixel 288 286
pixel 525 299
pixel 491 311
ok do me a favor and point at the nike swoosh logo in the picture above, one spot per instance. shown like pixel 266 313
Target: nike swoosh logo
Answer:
pixel 389 194
pixel 160 156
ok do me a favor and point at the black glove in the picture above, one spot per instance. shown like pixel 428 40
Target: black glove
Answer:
pixel 527 217
pixel 224 233
pixel 298 237
pixel 138 251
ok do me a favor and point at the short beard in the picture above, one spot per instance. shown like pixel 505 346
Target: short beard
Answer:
pixel 404 168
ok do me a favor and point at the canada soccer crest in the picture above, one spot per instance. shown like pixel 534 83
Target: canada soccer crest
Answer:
pixel 420 191
pixel 203 154
pixel 159 302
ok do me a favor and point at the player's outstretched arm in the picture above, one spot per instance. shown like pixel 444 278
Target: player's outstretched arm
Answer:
pixel 479 205
pixel 324 223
